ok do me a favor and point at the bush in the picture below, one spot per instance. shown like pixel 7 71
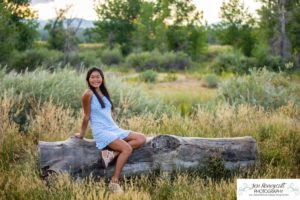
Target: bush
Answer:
pixel 210 81
pixel 263 57
pixel 158 61
pixel 149 76
pixel 171 77
pixel 62 86
pixel 89 58
pixel 144 60
pixel 32 58
pixel 261 88
pixel 73 59
pixel 272 63
pixel 110 57
pixel 234 62
pixel 177 61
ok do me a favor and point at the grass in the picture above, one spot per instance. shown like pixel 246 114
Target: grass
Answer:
pixel 185 93
pixel 277 133
pixel 90 46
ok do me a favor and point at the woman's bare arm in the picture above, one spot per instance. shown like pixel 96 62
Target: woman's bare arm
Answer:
pixel 86 105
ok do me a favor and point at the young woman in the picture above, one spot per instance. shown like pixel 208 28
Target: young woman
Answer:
pixel 97 107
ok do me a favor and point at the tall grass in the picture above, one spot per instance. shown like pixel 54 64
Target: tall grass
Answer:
pixel 47 105
pixel 260 88
pixel 276 132
pixel 63 86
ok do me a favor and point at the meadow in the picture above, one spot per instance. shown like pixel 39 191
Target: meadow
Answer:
pixel 169 71
pixel 46 106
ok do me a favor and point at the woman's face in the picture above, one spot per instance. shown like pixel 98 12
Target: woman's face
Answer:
pixel 95 79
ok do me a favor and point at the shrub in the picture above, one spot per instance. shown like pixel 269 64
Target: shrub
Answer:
pixel 273 63
pixel 110 57
pixel 143 61
pixel 213 51
pixel 73 59
pixel 152 61
pixel 177 61
pixel 32 58
pixel 158 61
pixel 171 77
pixel 260 88
pixel 210 81
pixel 149 76
pixel 89 58
pixel 62 85
pixel 263 57
pixel 232 62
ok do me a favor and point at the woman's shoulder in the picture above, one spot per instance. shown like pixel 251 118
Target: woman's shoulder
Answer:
pixel 88 93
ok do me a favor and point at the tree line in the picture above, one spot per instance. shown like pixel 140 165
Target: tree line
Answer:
pixel 161 25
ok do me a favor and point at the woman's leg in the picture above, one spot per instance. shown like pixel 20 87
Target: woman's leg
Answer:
pixel 135 140
pixel 125 151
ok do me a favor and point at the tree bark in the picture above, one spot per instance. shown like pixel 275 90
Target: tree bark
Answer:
pixel 281 44
pixel 163 152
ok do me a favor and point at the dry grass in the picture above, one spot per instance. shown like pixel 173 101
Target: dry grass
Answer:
pixel 224 121
pixel 276 132
pixel 54 123
pixel 93 46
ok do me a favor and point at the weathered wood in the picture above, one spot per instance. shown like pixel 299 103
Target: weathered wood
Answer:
pixel 165 152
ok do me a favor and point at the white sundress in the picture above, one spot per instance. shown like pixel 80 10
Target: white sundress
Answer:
pixel 104 128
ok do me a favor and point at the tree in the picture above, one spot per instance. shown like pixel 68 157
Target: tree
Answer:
pixel 148 25
pixel 62 35
pixel 115 23
pixel 184 30
pixel 56 30
pixel 8 35
pixel 236 26
pixel 294 30
pixel 144 37
pixel 23 18
pixel 279 25
pixel 17 27
pixel 190 39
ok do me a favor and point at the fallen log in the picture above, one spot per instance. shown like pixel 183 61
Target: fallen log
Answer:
pixel 80 157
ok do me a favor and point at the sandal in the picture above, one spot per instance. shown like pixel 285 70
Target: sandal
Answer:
pixel 107 156
pixel 115 188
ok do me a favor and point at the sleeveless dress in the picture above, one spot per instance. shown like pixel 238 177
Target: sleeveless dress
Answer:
pixel 104 128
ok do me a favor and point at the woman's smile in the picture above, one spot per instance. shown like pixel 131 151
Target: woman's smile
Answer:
pixel 95 79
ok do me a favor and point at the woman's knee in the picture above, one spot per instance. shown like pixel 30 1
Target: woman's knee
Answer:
pixel 121 146
pixel 142 139
pixel 127 149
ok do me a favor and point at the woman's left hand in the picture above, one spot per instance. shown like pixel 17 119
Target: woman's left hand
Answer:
pixel 78 136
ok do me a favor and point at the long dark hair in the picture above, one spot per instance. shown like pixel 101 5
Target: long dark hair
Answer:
pixel 103 88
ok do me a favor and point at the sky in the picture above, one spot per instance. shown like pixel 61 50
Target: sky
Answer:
pixel 84 8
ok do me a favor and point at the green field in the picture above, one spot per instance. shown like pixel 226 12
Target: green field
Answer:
pixel 169 70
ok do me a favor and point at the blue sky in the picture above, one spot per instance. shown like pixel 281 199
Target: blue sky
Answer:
pixel 84 8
